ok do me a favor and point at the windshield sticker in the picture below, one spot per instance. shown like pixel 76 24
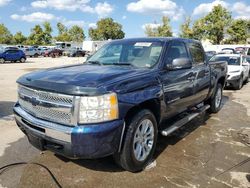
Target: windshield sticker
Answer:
pixel 143 44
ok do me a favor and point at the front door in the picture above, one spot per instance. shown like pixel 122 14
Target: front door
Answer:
pixel 177 84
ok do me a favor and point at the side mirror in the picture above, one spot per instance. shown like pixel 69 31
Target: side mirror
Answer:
pixel 180 63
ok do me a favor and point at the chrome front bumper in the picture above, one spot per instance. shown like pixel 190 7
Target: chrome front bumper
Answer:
pixel 41 127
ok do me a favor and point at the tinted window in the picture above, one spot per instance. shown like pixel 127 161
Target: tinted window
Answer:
pixel 233 60
pixel 176 50
pixel 197 53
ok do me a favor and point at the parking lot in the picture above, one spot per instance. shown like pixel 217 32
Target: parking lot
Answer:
pixel 211 151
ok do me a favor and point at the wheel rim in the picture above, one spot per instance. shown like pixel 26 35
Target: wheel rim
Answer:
pixel 218 98
pixel 143 140
pixel 22 60
pixel 1 60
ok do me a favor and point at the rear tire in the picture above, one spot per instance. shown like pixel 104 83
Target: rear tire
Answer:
pixel 139 143
pixel 216 101
pixel 22 60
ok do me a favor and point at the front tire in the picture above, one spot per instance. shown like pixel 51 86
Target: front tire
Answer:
pixel 216 101
pixel 240 84
pixel 139 143
pixel 2 60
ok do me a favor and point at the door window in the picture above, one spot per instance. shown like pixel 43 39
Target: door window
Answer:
pixel 176 50
pixel 197 53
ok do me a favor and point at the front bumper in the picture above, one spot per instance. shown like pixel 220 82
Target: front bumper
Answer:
pixel 88 141
pixel 233 80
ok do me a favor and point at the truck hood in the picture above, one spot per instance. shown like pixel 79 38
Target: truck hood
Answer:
pixel 79 79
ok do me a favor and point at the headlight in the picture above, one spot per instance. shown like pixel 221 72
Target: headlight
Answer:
pixel 234 71
pixel 98 108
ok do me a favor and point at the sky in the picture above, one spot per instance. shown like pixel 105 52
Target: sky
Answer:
pixel 134 15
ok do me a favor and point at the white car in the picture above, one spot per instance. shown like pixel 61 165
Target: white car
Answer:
pixel 238 68
pixel 32 52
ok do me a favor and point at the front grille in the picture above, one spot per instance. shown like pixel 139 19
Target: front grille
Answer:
pixel 46 105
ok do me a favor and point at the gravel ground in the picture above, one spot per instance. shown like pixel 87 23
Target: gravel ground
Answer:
pixel 195 156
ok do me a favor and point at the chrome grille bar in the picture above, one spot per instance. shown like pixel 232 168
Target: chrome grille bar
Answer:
pixel 47 105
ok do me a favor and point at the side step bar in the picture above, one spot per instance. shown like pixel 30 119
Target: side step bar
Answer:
pixel 184 120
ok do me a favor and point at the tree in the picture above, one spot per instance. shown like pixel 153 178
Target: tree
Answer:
pixel 5 35
pixel 76 33
pixel 238 31
pixel 151 31
pixel 186 29
pixel 215 24
pixel 63 34
pixel 163 30
pixel 19 38
pixel 106 29
pixel 198 30
pixel 36 36
pixel 47 33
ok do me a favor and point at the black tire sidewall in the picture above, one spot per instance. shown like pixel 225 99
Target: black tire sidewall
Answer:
pixel 213 107
pixel 132 164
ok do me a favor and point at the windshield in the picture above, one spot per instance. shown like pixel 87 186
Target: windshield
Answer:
pixel 138 54
pixel 231 60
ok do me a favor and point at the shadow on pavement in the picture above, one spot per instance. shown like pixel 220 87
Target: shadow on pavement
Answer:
pixel 108 164
pixel 6 108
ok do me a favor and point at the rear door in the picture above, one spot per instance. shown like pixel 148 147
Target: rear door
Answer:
pixel 201 70
pixel 177 84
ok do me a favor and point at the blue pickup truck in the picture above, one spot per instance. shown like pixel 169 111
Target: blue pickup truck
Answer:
pixel 114 103
pixel 13 55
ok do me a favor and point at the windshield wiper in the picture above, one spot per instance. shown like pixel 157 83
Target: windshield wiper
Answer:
pixel 123 63
pixel 95 62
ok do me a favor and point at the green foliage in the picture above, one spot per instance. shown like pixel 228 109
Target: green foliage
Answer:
pixel 63 34
pixel 36 36
pixel 215 24
pixel 5 35
pixel 238 31
pixel 47 33
pixel 164 30
pixel 151 31
pixel 19 38
pixel 76 33
pixel 186 30
pixel 198 29
pixel 106 29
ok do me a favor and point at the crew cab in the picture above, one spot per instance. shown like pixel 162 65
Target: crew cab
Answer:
pixel 12 55
pixel 238 68
pixel 115 103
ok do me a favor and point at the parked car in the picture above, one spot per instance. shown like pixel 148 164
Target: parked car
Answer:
pixel 241 50
pixel 227 51
pixel 67 52
pixel 115 102
pixel 31 52
pixel 55 53
pixel 12 55
pixel 78 53
pixel 238 69
pixel 210 54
